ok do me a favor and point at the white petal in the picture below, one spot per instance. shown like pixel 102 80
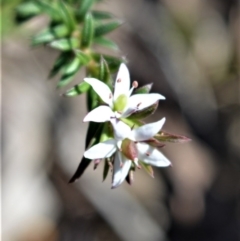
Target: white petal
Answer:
pixel 121 130
pixel 141 101
pixel 101 89
pixel 147 131
pixel 151 155
pixel 120 169
pixel 100 114
pixel 101 150
pixel 122 83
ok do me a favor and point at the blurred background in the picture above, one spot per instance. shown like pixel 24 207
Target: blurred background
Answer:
pixel 190 50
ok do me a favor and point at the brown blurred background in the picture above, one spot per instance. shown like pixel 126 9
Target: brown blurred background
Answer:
pixel 190 50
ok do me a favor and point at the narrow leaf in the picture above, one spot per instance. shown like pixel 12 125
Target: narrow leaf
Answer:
pixel 104 73
pixel 78 89
pixel 50 34
pixel 144 89
pixel 138 115
pixel 167 137
pixel 84 7
pixel 88 31
pixel 27 10
pixel 61 61
pixel 105 169
pixel 148 169
pixel 65 44
pixel 92 139
pixel 106 43
pixel 69 72
pixel 105 28
pixel 99 15
pixel 80 170
pixel 48 9
pixel 113 62
pixel 84 58
pixel 67 16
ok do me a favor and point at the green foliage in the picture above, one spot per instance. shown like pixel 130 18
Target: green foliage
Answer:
pixel 73 30
pixel 88 31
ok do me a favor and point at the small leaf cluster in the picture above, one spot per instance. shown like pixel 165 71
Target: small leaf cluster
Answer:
pixel 74 29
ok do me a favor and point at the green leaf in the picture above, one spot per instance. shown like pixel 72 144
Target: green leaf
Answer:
pixel 65 44
pixel 84 7
pixel 148 169
pixel 80 170
pixel 105 28
pixel 144 89
pixel 67 16
pixel 106 43
pixel 49 10
pixel 50 34
pixel 113 62
pixel 27 10
pixel 85 58
pixel 69 72
pixel 105 169
pixel 104 73
pixel 138 115
pixel 88 31
pixel 78 89
pixel 167 137
pixel 99 15
pixel 59 64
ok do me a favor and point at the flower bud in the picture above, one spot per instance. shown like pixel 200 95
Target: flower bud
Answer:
pixel 129 149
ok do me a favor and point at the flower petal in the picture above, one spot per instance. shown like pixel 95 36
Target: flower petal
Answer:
pixel 141 101
pixel 101 150
pixel 122 83
pixel 120 169
pixel 121 130
pixel 151 155
pixel 147 131
pixel 101 89
pixel 100 114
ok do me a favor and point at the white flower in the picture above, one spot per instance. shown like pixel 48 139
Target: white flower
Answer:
pixel 120 103
pixel 129 147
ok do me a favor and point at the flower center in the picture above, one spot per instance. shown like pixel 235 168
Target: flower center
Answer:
pixel 120 103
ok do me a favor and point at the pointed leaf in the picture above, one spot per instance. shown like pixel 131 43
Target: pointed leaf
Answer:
pixel 84 7
pixel 148 169
pixel 67 16
pixel 65 44
pixel 99 15
pixel 78 89
pixel 113 62
pixel 144 89
pixel 49 10
pixel 50 34
pixel 88 31
pixel 141 114
pixel 84 58
pixel 105 28
pixel 167 137
pixel 105 169
pixel 106 43
pixel 69 72
pixel 80 170
pixel 104 73
pixel 27 10
pixel 61 61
